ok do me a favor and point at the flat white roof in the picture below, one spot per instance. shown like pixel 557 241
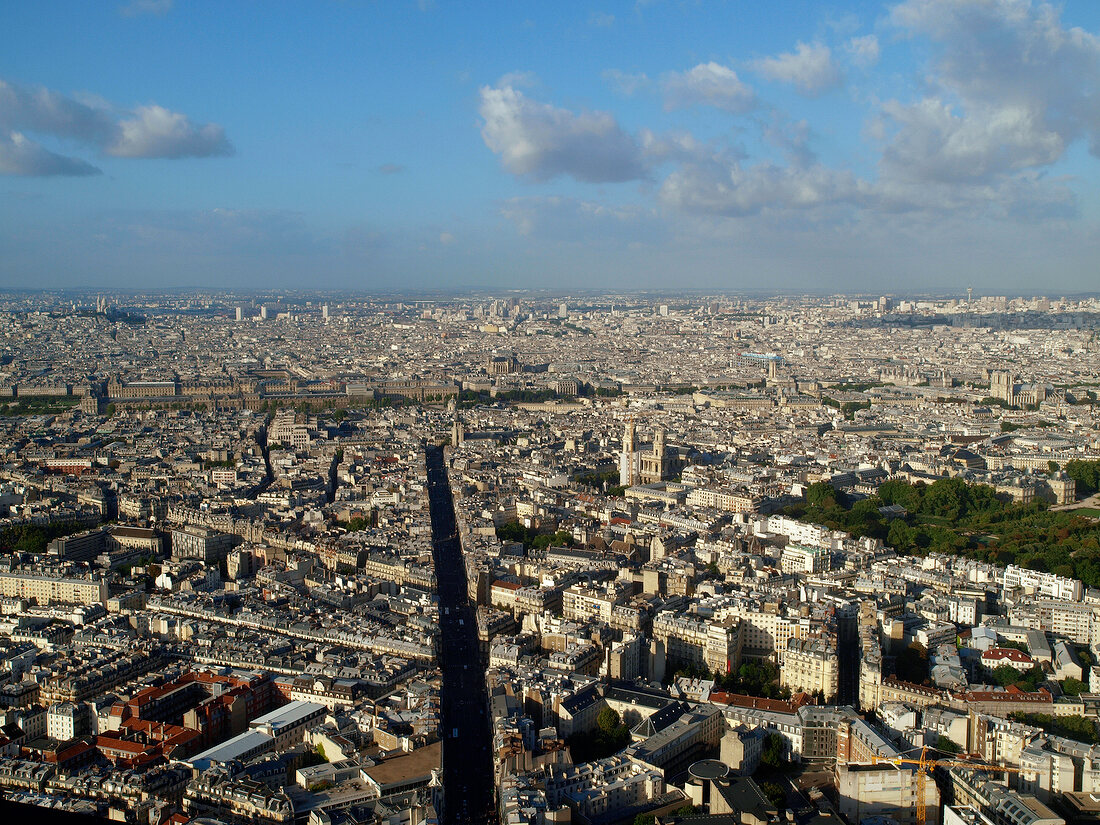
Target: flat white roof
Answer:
pixel 233 748
pixel 288 714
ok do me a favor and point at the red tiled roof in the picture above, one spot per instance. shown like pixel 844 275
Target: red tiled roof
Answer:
pixel 756 703
pixel 1009 694
pixel 1000 654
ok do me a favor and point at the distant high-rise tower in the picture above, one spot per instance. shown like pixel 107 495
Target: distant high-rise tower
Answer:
pixel 324 313
pixel 240 313
pixel 969 295
pixel 563 310
pixel 263 312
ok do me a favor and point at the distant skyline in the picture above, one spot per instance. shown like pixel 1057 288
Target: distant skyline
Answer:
pixel 899 147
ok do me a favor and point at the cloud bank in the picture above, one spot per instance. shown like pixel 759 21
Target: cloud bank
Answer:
pixel 1007 90
pixel 144 132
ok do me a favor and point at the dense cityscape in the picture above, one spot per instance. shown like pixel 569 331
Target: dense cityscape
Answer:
pixel 530 558
pixel 634 412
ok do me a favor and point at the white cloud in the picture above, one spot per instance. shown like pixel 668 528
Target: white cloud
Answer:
pixel 708 84
pixel 446 238
pixel 864 50
pixel 540 141
pixel 791 136
pixel 1012 88
pixel 522 80
pixel 734 190
pixel 684 147
pixel 809 68
pixel 156 132
pixel 601 20
pixel 934 142
pixel 21 156
pixel 45 111
pixel 146 132
pixel 1008 90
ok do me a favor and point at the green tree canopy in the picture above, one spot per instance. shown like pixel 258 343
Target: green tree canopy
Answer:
pixel 772 753
pixel 607 720
pixel 775 793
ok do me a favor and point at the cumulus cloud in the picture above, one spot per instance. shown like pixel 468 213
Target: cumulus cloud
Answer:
pixel 47 112
pixel 708 84
pixel 737 191
pixel 391 168
pixel 156 132
pixel 792 137
pixel 684 147
pixel 539 141
pixel 1007 91
pixel 717 182
pixel 1012 61
pixel 21 156
pixel 933 141
pixel 809 68
pixel 864 50
pixel 1010 89
pixel 145 132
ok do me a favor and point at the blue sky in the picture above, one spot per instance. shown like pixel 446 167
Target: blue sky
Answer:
pixel 902 146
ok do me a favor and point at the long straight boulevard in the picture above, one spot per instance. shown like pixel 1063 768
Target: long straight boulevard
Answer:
pixel 467 767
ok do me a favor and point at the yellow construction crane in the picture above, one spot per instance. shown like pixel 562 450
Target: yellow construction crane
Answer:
pixel 925 764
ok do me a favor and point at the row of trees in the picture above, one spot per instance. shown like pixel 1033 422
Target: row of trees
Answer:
pixel 609 737
pixel 38 404
pixel 951 516
pixel 532 538
pixel 34 538
pixel 1005 675
pixel 1078 728
pixel 1086 474
pixel 848 409
pixel 359 523
pixel 759 679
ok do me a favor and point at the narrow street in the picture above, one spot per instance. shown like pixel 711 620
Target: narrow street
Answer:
pixel 467 767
